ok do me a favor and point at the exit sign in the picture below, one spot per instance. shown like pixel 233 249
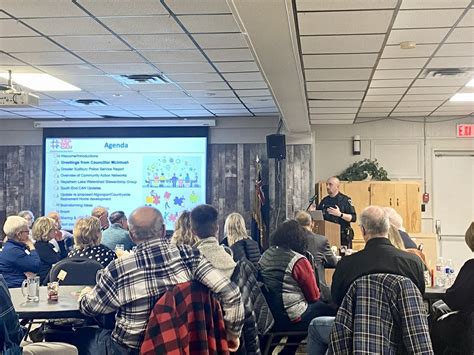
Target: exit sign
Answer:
pixel 465 130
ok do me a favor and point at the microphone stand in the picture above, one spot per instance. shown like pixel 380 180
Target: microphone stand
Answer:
pixel 311 200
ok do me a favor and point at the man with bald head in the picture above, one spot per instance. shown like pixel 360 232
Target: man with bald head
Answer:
pixel 131 285
pixel 338 208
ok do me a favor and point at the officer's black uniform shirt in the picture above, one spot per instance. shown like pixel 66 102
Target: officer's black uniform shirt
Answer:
pixel 345 206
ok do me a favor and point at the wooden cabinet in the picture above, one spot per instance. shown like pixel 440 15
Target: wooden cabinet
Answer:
pixel 403 196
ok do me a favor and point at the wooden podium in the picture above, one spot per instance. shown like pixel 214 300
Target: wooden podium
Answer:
pixel 330 230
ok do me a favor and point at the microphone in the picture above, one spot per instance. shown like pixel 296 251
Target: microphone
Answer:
pixel 313 198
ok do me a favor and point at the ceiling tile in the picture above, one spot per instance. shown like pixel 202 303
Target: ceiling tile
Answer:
pixel 424 103
pixel 433 90
pixel 221 40
pixel 409 109
pixel 380 104
pixel 426 18
pixel 180 7
pixel 229 112
pixel 336 85
pixel 411 114
pixel 333 110
pixel 191 113
pixel 431 97
pixel 127 68
pixel 228 67
pixel 224 106
pixel 335 116
pixel 163 42
pixel 372 114
pixel 333 103
pixel 429 35
pixel 341 44
pixel 18 69
pixel 350 22
pixel 111 57
pixel 213 85
pixel 194 77
pixel 227 55
pixel 169 56
pixel 316 122
pixel 456 49
pixel 26 8
pixel 319 5
pixel 420 4
pixel 385 91
pixel 186 68
pixel 216 100
pixel 14 28
pixel 123 8
pixel 422 50
pixel 468 19
pixel 452 113
pixel 396 74
pixel 463 34
pixel 209 23
pixel 28 44
pixel 337 74
pixel 211 93
pixel 330 95
pixel 163 24
pixel 401 63
pixel 74 69
pixel 384 110
pixel 90 43
pixel 67 26
pixel 441 82
pixel 48 58
pixel 253 76
pixel 451 62
pixel 87 79
pixel 339 61
pixel 248 85
pixel 7 60
pixel 248 93
pixel 164 94
pixel 395 83
pixel 382 98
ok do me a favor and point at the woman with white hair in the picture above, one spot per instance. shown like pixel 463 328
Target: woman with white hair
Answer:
pixel 397 221
pixel 18 255
pixel 240 243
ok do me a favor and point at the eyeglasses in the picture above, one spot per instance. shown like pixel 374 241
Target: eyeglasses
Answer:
pixel 24 231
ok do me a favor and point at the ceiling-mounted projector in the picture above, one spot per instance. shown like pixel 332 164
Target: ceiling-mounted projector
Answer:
pixel 12 98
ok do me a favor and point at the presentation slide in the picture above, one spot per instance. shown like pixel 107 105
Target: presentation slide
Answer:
pixel 122 174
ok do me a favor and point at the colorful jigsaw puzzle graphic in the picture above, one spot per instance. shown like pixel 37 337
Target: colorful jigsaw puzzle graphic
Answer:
pixel 172 184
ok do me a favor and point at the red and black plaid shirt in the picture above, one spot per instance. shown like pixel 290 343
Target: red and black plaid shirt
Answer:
pixel 186 320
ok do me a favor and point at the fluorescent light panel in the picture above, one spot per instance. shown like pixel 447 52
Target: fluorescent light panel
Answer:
pixel 463 97
pixel 470 83
pixel 40 82
pixel 126 123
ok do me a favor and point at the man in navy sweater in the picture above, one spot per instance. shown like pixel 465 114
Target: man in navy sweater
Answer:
pixel 18 256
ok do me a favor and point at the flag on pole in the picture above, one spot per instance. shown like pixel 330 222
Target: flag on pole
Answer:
pixel 259 201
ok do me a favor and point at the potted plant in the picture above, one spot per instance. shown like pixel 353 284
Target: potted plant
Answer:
pixel 366 169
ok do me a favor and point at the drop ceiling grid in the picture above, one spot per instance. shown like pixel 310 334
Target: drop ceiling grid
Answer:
pixel 398 67
pixel 72 45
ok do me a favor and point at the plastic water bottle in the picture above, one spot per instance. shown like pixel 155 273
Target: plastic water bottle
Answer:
pixel 440 273
pixel 449 273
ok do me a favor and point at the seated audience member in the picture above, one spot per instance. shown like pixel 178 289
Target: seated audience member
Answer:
pixel 205 228
pixel 240 243
pixel 457 330
pixel 87 237
pixel 18 256
pixel 102 214
pixel 131 285
pixel 68 237
pixel 44 230
pixel 378 256
pixel 183 233
pixel 293 295
pixel 30 218
pixel 397 221
pixel 117 233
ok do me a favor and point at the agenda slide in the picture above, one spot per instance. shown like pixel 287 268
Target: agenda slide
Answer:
pixel 121 174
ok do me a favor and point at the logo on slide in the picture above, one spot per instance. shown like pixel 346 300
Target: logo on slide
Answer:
pixel 62 143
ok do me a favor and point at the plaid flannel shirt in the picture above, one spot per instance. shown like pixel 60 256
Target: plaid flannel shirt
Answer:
pixel 132 284
pixel 186 320
pixel 381 314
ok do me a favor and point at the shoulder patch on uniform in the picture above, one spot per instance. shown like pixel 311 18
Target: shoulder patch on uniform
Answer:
pixel 350 201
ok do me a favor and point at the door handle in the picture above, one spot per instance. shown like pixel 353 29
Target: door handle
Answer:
pixel 390 201
pixel 397 202
pixel 438 228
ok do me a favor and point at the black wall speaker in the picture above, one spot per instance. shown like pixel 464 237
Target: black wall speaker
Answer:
pixel 276 146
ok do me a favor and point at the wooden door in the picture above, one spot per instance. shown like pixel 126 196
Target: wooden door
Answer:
pixel 399 201
pixel 413 208
pixel 382 194
pixel 359 193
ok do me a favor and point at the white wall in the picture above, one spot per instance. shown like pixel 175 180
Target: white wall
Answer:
pixel 398 146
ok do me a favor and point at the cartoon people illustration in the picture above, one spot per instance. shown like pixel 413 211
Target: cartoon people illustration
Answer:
pixel 167 197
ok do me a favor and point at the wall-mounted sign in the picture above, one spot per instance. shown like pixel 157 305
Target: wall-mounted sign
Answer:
pixel 465 130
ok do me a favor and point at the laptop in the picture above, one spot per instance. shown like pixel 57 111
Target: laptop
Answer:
pixel 317 215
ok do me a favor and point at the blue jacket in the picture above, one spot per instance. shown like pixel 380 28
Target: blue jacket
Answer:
pixel 116 235
pixel 15 260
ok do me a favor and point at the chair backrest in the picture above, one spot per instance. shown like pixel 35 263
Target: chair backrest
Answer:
pixel 80 271
pixel 381 314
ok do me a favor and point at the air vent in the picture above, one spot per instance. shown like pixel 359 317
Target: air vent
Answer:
pixel 141 79
pixel 443 73
pixel 86 102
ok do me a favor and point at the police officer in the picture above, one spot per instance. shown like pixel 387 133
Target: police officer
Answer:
pixel 338 208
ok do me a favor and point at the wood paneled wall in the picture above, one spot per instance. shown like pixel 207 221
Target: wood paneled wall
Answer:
pixel 231 180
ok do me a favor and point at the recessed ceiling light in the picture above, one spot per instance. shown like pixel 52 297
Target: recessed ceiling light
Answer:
pixel 470 83
pixel 40 82
pixel 463 97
